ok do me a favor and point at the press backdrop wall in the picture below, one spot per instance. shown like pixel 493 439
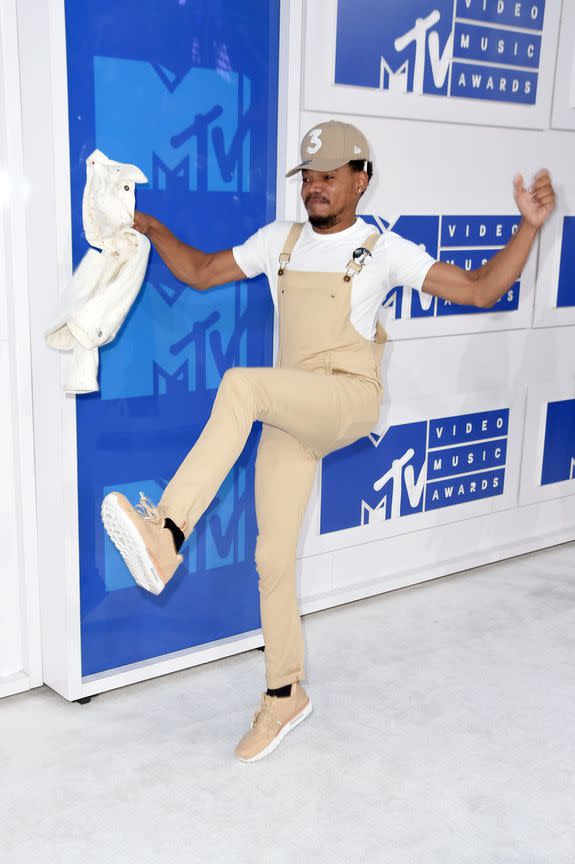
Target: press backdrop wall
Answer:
pixel 473 457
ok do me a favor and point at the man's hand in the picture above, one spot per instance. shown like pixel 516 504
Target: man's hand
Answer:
pixel 143 222
pixel 535 204
pixel 485 285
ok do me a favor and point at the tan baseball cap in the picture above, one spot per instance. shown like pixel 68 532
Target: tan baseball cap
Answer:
pixel 330 145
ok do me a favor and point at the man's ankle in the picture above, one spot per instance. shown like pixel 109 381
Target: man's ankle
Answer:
pixel 176 532
pixel 282 692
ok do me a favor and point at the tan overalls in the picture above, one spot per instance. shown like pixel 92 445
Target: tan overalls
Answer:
pixel 323 393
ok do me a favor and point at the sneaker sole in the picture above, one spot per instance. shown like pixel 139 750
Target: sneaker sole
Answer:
pixel 281 735
pixel 130 545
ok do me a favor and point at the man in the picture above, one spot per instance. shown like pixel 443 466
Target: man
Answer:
pixel 328 278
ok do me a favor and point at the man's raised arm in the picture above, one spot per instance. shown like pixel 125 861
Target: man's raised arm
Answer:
pixel 483 287
pixel 201 270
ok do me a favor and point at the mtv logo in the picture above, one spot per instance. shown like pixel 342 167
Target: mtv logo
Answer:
pixel 170 382
pixel 189 344
pixel 407 48
pixel 369 515
pixel 189 133
pixel 395 82
pixel 480 49
pixel 393 465
pixel 400 478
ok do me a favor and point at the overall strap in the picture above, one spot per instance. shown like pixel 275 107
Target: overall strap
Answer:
pixel 372 240
pixel 289 244
pixel 353 266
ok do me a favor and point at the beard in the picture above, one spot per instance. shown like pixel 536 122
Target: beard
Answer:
pixel 324 221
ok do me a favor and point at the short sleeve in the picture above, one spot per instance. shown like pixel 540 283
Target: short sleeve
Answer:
pixel 251 255
pixel 409 262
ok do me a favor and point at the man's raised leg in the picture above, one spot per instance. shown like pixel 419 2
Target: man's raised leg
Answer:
pixel 304 404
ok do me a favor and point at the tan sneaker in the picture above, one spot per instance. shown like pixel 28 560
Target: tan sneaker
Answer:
pixel 272 721
pixel 148 549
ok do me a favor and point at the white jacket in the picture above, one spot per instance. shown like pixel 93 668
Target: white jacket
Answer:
pixel 105 284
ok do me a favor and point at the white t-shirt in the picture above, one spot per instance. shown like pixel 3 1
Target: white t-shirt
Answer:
pixel 394 261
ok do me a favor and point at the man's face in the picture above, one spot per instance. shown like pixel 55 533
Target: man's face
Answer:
pixel 330 197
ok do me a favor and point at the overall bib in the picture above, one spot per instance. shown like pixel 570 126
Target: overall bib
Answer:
pixel 323 393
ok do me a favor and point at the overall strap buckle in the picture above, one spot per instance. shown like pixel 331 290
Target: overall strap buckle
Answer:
pixel 283 261
pixel 291 240
pixel 351 269
pixel 360 256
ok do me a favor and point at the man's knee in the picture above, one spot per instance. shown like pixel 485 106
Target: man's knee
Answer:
pixel 235 376
pixel 236 382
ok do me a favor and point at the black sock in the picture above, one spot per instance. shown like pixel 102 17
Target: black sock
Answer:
pixel 177 533
pixel 280 691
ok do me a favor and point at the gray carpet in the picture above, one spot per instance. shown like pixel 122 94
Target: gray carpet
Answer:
pixel 443 731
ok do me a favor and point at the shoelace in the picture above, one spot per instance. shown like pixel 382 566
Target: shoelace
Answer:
pixel 265 713
pixel 148 510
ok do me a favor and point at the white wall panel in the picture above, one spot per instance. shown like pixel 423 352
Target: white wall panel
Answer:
pixel 314 577
pixel 11 656
pixel 408 101
pixel 464 167
pixel 20 655
pixel 42 50
pixel 395 562
pixel 5 189
pixel 564 93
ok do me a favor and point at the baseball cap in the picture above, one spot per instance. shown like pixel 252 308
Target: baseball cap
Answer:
pixel 330 145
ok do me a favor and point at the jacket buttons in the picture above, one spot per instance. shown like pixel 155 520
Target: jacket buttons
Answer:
pixel 99 333
pixel 283 291
pixel 127 188
pixel 333 295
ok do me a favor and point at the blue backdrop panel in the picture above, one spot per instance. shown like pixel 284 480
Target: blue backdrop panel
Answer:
pixel 566 281
pixel 467 241
pixel 415 467
pixel 188 92
pixel 429 46
pixel 559 445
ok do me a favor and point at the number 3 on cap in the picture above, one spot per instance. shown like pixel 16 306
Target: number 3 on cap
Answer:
pixel 314 141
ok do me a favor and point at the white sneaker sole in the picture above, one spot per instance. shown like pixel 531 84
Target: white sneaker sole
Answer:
pixel 130 545
pixel 281 735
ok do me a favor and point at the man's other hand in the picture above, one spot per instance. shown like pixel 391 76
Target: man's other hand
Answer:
pixel 536 203
pixel 143 222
